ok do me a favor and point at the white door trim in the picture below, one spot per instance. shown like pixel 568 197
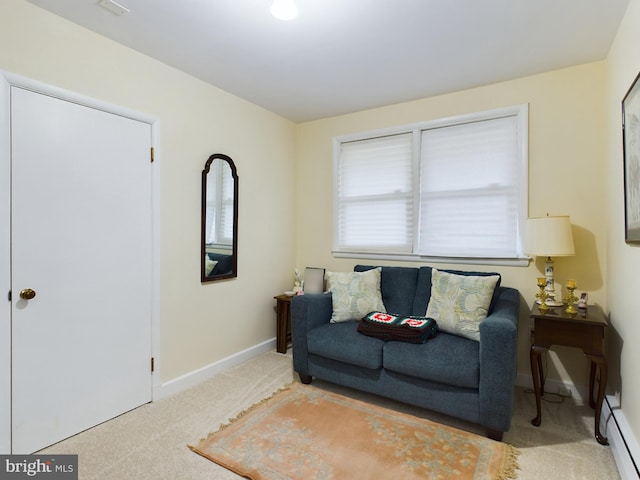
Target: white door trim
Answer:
pixel 6 81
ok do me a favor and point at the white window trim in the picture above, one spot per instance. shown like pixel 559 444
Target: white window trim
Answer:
pixel 520 111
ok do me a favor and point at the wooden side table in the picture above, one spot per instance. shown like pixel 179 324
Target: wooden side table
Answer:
pixel 585 330
pixel 283 322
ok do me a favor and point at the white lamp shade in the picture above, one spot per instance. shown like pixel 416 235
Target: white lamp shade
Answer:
pixel 549 237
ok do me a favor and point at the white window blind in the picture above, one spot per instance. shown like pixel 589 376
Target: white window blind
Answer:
pixel 469 190
pixel 375 194
pixel 219 226
pixel 454 188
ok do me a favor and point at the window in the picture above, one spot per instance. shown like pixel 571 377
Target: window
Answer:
pixel 219 224
pixel 447 189
pixel 376 202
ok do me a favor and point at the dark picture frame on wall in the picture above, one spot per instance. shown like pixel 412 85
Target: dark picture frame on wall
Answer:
pixel 631 154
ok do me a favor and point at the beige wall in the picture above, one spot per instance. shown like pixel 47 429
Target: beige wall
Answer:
pixel 623 260
pixel 200 324
pixel 566 147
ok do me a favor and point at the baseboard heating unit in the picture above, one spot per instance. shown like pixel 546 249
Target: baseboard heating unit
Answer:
pixel 623 443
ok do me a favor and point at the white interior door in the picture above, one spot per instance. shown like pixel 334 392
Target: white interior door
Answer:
pixel 81 239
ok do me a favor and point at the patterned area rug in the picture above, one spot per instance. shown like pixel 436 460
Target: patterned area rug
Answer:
pixel 305 433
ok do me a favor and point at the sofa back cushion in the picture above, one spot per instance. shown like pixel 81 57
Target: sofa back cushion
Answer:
pixel 423 291
pixel 407 290
pixel 423 288
pixel 398 286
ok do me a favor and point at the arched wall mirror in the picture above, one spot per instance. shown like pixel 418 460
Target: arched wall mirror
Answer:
pixel 219 254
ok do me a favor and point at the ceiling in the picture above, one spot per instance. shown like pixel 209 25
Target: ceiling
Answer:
pixel 341 56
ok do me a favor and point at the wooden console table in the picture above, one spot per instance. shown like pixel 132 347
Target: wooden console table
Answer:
pixel 585 330
pixel 283 322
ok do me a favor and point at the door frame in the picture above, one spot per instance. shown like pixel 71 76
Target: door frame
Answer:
pixel 7 80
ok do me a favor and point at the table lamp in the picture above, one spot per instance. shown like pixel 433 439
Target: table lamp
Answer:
pixel 549 237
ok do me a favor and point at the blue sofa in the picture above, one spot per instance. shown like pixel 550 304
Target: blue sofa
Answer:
pixel 450 374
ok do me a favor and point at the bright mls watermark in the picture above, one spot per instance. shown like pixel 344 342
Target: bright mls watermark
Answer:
pixel 50 467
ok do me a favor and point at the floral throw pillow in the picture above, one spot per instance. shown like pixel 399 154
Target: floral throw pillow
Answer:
pixel 209 265
pixel 460 302
pixel 355 294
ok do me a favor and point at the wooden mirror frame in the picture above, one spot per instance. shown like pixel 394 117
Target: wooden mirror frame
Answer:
pixel 234 248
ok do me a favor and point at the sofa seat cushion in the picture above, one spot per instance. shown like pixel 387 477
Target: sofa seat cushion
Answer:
pixel 342 342
pixel 447 359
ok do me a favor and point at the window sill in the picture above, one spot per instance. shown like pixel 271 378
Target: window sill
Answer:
pixel 407 257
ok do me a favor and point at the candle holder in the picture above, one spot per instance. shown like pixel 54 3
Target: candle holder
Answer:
pixel 542 295
pixel 570 298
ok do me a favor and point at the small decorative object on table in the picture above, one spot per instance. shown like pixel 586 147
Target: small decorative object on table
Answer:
pixel 571 298
pixel 542 295
pixel 584 298
pixel 297 283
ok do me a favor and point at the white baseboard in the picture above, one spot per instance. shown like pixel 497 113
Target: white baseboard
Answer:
pixel 195 377
pixel 624 445
pixel 578 392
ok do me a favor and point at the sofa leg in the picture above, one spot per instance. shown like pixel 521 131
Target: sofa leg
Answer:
pixel 494 434
pixel 306 379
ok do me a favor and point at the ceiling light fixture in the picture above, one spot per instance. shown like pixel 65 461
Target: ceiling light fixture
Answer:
pixel 114 7
pixel 284 9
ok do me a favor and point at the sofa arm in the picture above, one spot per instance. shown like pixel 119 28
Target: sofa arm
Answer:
pixel 307 312
pixel 498 359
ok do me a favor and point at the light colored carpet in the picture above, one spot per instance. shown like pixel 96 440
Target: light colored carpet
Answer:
pixel 150 442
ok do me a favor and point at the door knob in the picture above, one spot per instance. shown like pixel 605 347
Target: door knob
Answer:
pixel 27 293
